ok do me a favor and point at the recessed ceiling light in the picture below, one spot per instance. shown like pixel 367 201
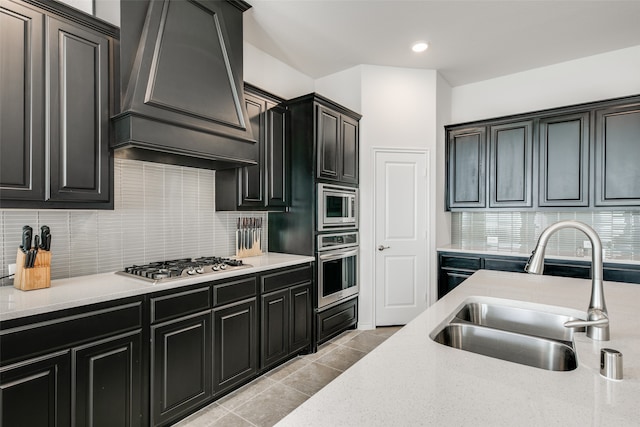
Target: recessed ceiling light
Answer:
pixel 420 46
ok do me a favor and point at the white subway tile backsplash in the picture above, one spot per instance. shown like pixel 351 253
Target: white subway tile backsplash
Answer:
pixel 161 212
pixel 519 231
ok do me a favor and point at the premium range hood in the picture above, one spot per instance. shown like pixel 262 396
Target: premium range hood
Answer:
pixel 181 84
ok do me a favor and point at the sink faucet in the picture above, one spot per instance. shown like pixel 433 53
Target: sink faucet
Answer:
pixel 597 323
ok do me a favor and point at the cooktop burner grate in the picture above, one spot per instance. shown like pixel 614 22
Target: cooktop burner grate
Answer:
pixel 181 268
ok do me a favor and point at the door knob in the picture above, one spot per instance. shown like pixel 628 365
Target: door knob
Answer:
pixel 382 248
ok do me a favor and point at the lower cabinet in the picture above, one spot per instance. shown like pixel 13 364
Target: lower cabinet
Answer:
pixel 332 321
pixel 36 392
pixel 180 366
pixel 80 367
pixel 286 306
pixel 107 386
pixel 454 268
pixel 235 346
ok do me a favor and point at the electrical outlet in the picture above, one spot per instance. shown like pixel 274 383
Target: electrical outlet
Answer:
pixel 12 268
pixel 492 240
pixel 586 244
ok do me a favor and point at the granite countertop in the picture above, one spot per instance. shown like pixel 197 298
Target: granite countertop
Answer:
pixel 84 290
pixel 410 380
pixel 521 252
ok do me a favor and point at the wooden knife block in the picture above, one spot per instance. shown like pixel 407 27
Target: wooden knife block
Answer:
pixel 37 277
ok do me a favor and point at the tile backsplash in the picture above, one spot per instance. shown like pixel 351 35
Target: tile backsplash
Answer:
pixel 519 231
pixel 161 212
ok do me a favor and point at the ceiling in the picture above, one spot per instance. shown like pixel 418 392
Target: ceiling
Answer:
pixel 469 40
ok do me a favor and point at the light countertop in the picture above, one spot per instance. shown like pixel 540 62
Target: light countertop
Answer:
pixel 84 290
pixel 496 251
pixel 410 380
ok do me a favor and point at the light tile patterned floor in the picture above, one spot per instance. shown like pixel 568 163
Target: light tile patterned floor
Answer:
pixel 269 398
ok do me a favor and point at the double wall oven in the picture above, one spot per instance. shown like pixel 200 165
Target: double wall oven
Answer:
pixel 337 244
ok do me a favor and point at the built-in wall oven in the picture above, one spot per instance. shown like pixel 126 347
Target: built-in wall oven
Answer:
pixel 337 207
pixel 337 267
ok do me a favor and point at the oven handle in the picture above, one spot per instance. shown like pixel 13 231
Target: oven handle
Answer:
pixel 327 257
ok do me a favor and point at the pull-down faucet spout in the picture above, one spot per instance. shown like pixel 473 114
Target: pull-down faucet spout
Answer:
pixel 597 323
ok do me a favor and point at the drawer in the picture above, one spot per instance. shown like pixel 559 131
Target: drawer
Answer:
pixel 284 279
pixel 336 319
pixel 180 304
pixel 462 262
pixel 515 265
pixel 49 335
pixel 234 290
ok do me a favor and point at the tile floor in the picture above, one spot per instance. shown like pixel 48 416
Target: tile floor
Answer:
pixel 269 398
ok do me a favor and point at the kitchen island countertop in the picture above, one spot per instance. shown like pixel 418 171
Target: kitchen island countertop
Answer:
pixel 85 290
pixel 410 380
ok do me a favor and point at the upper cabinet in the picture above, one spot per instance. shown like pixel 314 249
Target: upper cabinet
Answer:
pixel 59 82
pixel 337 144
pixel 577 156
pixel 466 157
pixel 266 184
pixel 182 94
pixel 617 152
pixel 510 164
pixel 564 160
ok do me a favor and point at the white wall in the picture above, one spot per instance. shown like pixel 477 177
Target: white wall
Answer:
pixel 399 111
pixel 272 75
pixel 608 75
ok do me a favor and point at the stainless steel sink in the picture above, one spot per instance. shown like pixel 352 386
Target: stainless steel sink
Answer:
pixel 519 320
pixel 529 336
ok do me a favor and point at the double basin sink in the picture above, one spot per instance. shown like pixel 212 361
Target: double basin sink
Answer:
pixel 525 333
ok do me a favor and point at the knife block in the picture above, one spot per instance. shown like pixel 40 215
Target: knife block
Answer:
pixel 37 277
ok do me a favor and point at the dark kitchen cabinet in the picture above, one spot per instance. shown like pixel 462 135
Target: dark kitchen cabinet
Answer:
pixel 235 344
pixel 181 357
pixel 82 366
pixel 337 144
pixel 579 156
pixel 454 268
pixel 22 151
pixel 107 374
pixel 336 319
pixel 37 392
pixel 264 185
pixel 617 150
pixel 466 170
pixel 564 160
pixel 511 165
pixel 60 106
pixel 180 366
pixel 286 308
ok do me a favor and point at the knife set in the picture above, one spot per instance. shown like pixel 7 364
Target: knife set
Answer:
pixel 33 262
pixel 248 237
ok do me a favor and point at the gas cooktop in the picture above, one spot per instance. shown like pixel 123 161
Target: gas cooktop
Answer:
pixel 162 271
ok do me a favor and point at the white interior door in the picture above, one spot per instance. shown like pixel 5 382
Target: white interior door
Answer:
pixel 401 224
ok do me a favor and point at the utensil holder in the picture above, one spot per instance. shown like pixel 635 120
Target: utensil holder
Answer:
pixel 36 277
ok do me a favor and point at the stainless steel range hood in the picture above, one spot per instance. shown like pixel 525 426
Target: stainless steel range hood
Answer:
pixel 181 84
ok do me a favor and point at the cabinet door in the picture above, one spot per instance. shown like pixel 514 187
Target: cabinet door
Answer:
pixel 235 353
pixel 300 317
pixel 276 152
pixel 180 366
pixel 251 182
pixel 328 140
pixel 510 165
pixel 275 327
pixel 22 99
pixel 108 382
pixel 617 150
pixel 466 168
pixel 564 160
pixel 78 71
pixel 36 392
pixel 350 144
